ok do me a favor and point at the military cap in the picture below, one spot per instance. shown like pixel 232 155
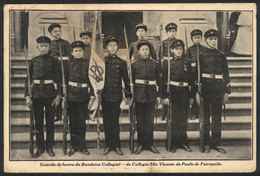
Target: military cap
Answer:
pixel 43 39
pixel 77 44
pixel 196 32
pixel 211 33
pixel 177 43
pixel 86 33
pixel 143 42
pixel 111 38
pixel 171 26
pixel 53 25
pixel 141 25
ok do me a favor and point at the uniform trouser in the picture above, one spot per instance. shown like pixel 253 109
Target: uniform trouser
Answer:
pixel 77 118
pixel 145 123
pixel 180 107
pixel 195 109
pixel 111 112
pixel 38 105
pixel 215 105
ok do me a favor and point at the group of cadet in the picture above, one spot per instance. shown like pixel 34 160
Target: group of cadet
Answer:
pixel 150 79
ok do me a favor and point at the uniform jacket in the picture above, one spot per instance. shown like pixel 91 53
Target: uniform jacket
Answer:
pixel 134 52
pixel 213 61
pixel 77 71
pixel 87 52
pixel 65 48
pixel 116 71
pixel 180 71
pixel 146 69
pixel 44 67
pixel 165 44
pixel 191 55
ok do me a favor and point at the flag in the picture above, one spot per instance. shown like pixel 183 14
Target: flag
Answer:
pixel 96 64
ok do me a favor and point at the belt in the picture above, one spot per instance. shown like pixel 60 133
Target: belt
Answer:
pixel 179 84
pixel 167 58
pixel 76 84
pixel 145 82
pixel 64 58
pixel 211 76
pixel 42 81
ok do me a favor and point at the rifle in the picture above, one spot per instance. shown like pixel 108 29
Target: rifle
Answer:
pixel 201 113
pixel 132 105
pixel 32 125
pixel 169 118
pixel 64 109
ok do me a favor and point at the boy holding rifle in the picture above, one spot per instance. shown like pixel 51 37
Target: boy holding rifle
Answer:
pixel 116 71
pixel 146 75
pixel 192 54
pixel 44 72
pixel 177 76
pixel 78 97
pixel 215 88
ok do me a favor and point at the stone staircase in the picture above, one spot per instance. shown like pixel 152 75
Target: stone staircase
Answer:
pixel 236 129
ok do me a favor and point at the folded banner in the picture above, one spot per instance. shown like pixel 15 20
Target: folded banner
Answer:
pixel 96 64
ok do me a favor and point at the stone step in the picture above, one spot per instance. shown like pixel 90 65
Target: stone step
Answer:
pixel 20 125
pixel 124 136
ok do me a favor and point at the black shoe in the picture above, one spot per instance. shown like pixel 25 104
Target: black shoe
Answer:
pixel 153 149
pixel 50 151
pixel 118 151
pixel 173 149
pixel 85 151
pixel 206 149
pixel 72 151
pixel 139 149
pixel 218 149
pixel 38 152
pixel 186 148
pixel 106 150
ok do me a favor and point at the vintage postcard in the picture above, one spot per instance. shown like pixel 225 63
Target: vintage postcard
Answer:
pixel 130 88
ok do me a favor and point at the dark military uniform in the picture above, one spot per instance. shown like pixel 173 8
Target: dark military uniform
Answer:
pixel 44 73
pixel 55 52
pixel 146 75
pixel 215 83
pixel 191 55
pixel 78 96
pixel 133 51
pixel 116 71
pixel 181 80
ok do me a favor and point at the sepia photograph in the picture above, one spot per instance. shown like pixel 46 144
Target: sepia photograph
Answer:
pixel 130 88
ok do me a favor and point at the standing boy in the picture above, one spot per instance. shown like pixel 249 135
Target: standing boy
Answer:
pixel 44 72
pixel 86 37
pixel 171 30
pixel 215 89
pixel 55 30
pixel 180 80
pixel 79 97
pixel 146 75
pixel 141 32
pixel 192 54
pixel 116 71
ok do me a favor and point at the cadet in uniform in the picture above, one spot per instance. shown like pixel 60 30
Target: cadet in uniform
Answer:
pixel 171 30
pixel 55 30
pixel 116 71
pixel 78 97
pixel 180 80
pixel 141 31
pixel 146 75
pixel 215 89
pixel 196 37
pixel 86 37
pixel 44 72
